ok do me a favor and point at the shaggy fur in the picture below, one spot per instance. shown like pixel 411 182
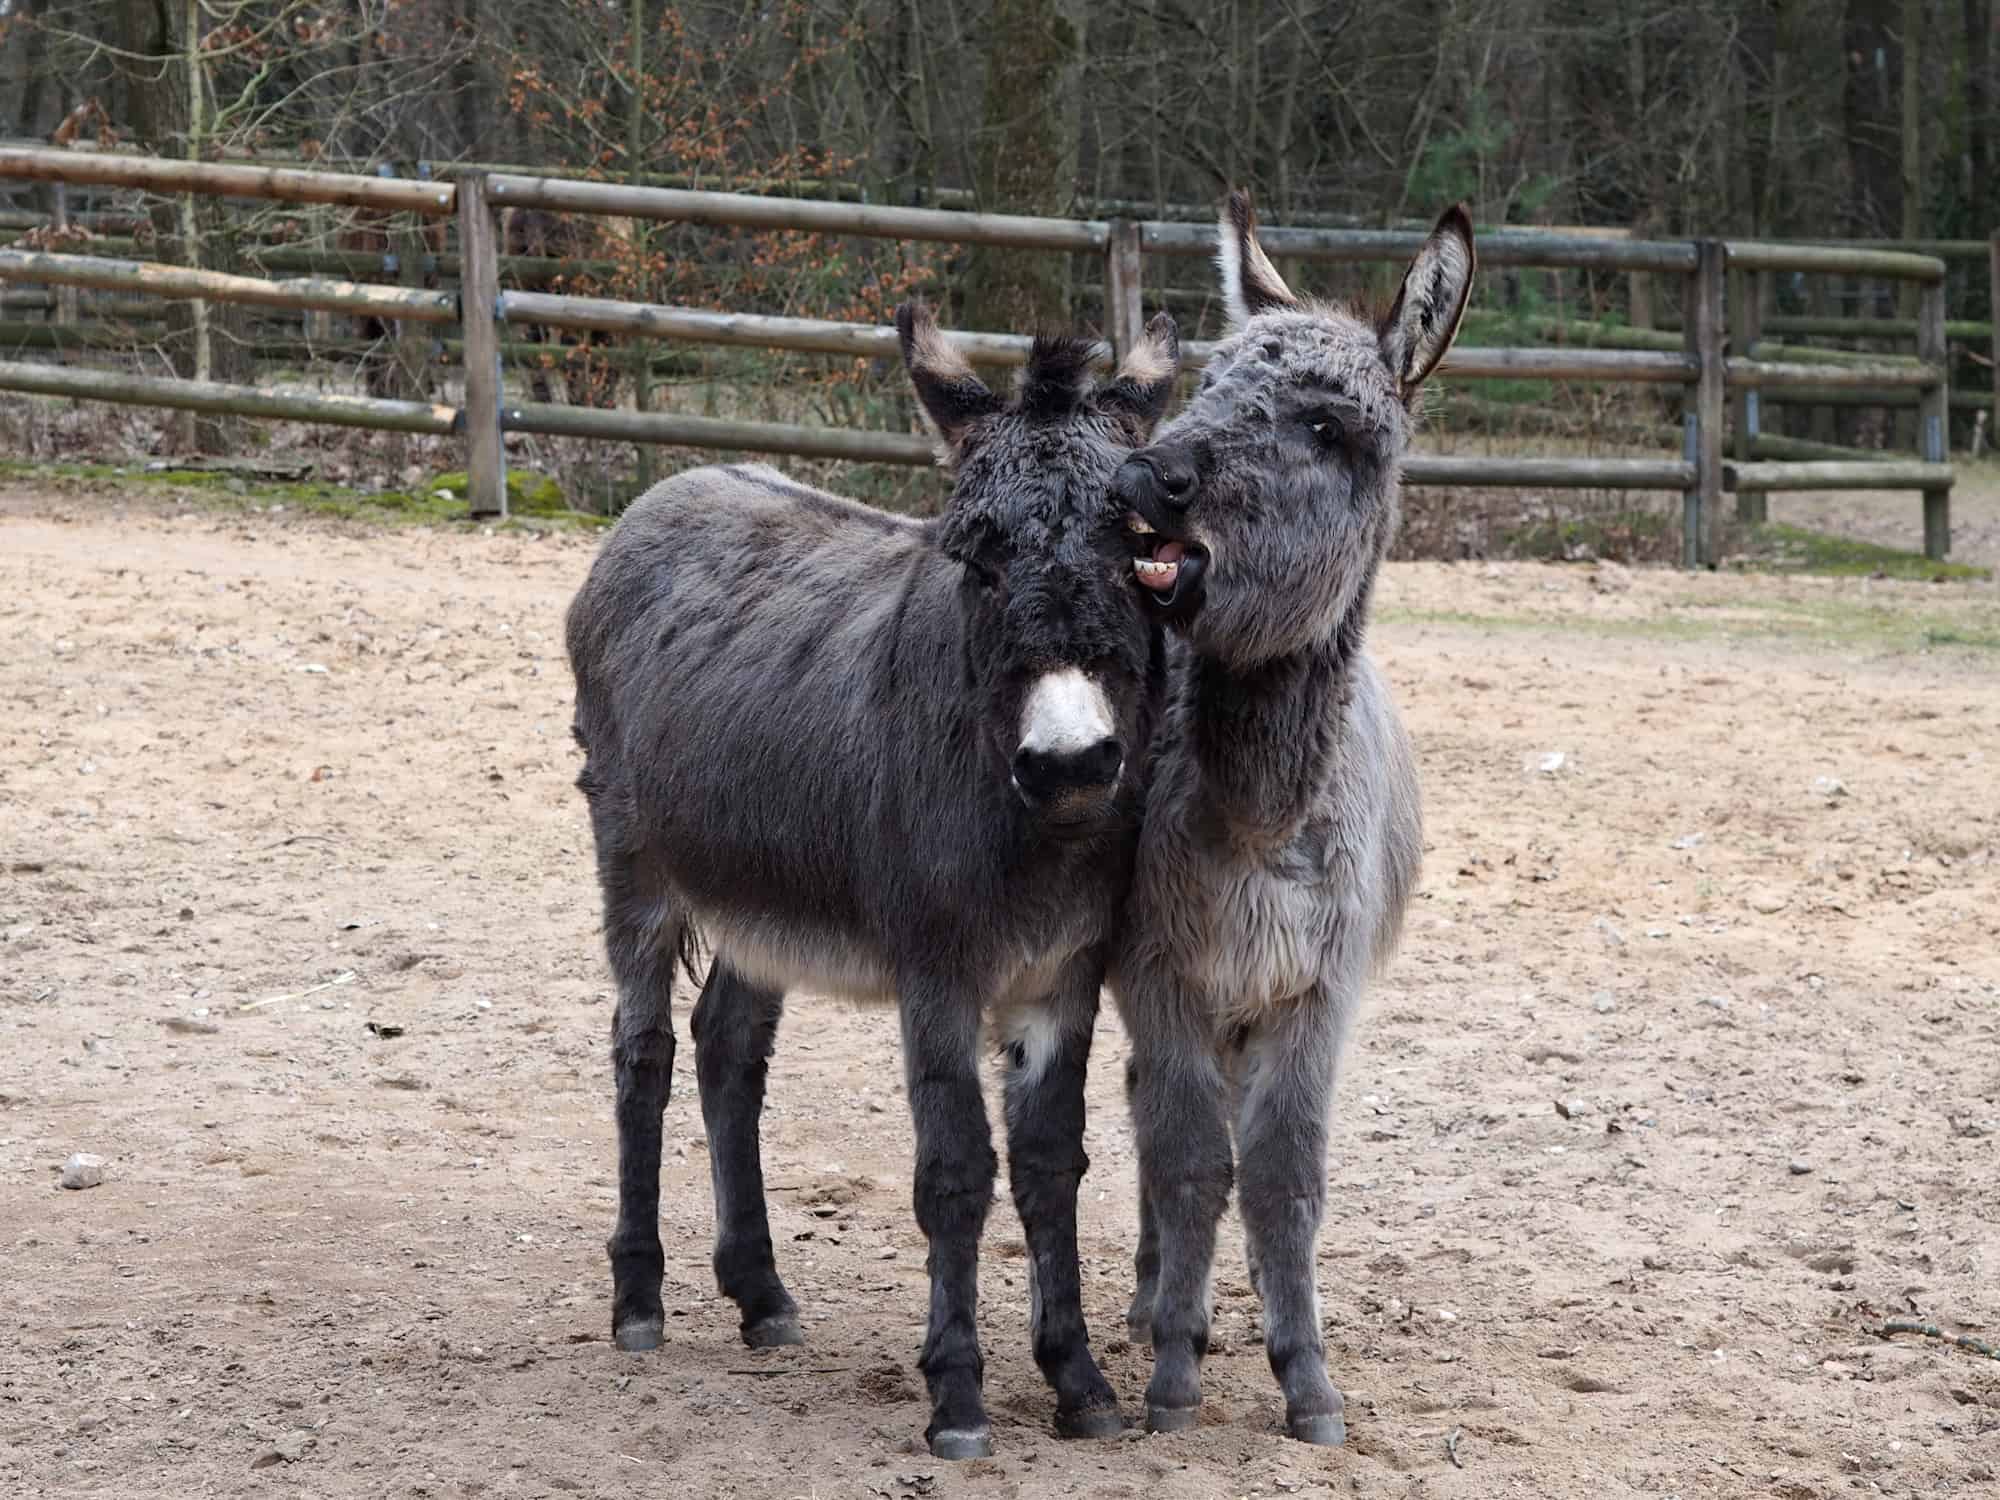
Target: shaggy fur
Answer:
pixel 1282 834
pixel 807 735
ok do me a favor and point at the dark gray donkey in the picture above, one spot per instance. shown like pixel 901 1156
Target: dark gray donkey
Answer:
pixel 1282 833
pixel 880 758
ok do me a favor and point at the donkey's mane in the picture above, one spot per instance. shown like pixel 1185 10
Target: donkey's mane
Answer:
pixel 1053 384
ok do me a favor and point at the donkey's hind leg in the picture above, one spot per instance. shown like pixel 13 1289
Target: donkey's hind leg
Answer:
pixel 735 1025
pixel 642 933
pixel 1281 1130
pixel 1047 1049
pixel 1146 1259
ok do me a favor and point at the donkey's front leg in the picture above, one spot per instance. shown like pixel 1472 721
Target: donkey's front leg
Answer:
pixel 1178 1115
pixel 1289 1067
pixel 1047 1049
pixel 954 1186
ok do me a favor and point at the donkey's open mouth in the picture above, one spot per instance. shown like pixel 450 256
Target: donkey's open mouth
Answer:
pixel 1170 569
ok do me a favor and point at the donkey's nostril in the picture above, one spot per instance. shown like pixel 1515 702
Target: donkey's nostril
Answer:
pixel 1177 478
pixel 1045 776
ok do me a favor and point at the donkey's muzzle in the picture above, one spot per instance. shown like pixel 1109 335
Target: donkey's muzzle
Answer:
pixel 1158 482
pixel 1069 785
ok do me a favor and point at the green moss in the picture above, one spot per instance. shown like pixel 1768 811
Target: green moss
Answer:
pixel 534 500
pixel 528 493
pixel 1775 547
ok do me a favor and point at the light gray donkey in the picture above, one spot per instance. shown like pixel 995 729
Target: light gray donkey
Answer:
pixel 1282 833
pixel 884 759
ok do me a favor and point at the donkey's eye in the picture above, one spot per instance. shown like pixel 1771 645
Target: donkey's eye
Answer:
pixel 1325 428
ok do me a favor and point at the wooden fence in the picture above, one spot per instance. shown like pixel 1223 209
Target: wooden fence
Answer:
pixel 1701 366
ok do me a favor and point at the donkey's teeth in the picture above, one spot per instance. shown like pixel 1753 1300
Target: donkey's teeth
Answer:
pixel 1156 575
pixel 1136 522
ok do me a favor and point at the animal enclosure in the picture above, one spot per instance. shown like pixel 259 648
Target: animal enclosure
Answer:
pixel 1683 1081
pixel 1705 369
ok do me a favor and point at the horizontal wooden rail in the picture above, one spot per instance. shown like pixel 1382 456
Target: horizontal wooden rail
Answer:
pixel 1773 445
pixel 164 175
pixel 1820 395
pixel 1885 329
pixel 815 216
pixel 1552 473
pixel 1571 364
pixel 1500 248
pixel 1762 255
pixel 1908 474
pixel 1755 374
pixel 744 330
pixel 677 431
pixel 1942 249
pixel 230 400
pixel 1641 365
pixel 220 286
pixel 289 346
pixel 1776 351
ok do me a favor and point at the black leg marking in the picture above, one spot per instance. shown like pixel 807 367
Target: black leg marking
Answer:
pixel 641 936
pixel 735 1027
pixel 1046 1062
pixel 955 1170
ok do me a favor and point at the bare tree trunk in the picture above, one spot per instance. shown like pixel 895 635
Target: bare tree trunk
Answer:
pixel 34 73
pixel 1913 152
pixel 1913 120
pixel 1027 156
pixel 635 158
pixel 1870 121
pixel 1978 112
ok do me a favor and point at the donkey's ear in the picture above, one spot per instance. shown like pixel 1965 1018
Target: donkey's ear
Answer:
pixel 951 394
pixel 1250 283
pixel 1420 327
pixel 1137 395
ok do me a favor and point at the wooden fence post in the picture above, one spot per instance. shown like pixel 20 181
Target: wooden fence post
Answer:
pixel 63 309
pixel 1701 324
pixel 479 317
pixel 1993 273
pixel 321 235
pixel 414 345
pixel 1934 415
pixel 1124 267
pixel 1745 325
pixel 1639 288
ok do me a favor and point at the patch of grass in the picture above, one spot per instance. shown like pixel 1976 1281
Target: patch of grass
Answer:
pixel 1845 623
pixel 1775 547
pixel 1619 535
pixel 534 500
pixel 1953 635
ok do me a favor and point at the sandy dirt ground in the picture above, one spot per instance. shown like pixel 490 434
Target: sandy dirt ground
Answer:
pixel 1687 1077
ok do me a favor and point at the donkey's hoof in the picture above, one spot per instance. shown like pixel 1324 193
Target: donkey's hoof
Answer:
pixel 953 1443
pixel 1171 1418
pixel 774 1332
pixel 1326 1429
pixel 637 1335
pixel 1090 1422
